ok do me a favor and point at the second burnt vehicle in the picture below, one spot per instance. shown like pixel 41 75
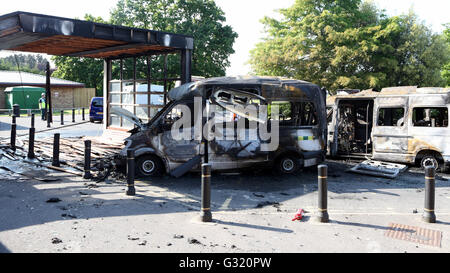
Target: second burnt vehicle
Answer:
pixel 301 131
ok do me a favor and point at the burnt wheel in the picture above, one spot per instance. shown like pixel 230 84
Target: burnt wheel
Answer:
pixel 288 164
pixel 429 160
pixel 148 166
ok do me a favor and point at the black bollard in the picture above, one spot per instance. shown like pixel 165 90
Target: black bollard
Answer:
pixel 73 115
pixel 82 113
pixel 131 191
pixel 87 159
pixel 31 143
pixel 323 194
pixel 32 120
pixel 428 214
pixel 62 117
pixel 13 133
pixel 55 161
pixel 205 214
pixel 47 114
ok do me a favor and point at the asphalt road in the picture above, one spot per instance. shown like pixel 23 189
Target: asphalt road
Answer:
pixel 252 212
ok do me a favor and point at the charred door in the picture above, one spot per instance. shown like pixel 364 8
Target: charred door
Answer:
pixel 177 139
pixel 390 133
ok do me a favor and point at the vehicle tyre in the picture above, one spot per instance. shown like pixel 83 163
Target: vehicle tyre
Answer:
pixel 91 120
pixel 288 164
pixel 429 160
pixel 149 166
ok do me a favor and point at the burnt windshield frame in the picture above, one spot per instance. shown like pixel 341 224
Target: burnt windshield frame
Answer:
pixel 160 113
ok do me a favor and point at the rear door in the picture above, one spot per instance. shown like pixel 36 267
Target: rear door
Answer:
pixel 332 130
pixel 390 130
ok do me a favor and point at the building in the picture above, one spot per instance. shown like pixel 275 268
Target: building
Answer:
pixel 65 94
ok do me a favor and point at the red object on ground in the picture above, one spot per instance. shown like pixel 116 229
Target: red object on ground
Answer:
pixel 299 215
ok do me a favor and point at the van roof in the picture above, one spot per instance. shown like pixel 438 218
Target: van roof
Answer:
pixel 271 87
pixel 390 91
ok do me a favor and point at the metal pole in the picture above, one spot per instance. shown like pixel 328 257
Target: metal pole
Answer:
pixel 31 143
pixel 131 191
pixel 428 213
pixel 73 115
pixel 87 159
pixel 82 113
pixel 48 99
pixel 55 161
pixel 205 214
pixel 47 115
pixel 323 194
pixel 62 117
pixel 205 138
pixel 13 133
pixel 32 120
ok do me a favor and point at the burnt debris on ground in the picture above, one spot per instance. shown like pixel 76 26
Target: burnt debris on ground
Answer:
pixel 71 158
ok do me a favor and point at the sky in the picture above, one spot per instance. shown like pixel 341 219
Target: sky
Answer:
pixel 243 15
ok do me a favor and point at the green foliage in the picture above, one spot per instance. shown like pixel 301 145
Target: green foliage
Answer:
pixel 28 63
pixel 446 68
pixel 85 70
pixel 202 19
pixel 349 44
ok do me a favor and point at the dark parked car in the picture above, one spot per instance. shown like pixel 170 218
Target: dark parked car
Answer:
pixel 96 109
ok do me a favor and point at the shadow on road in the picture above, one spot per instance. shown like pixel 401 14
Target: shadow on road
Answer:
pixel 3 249
pixel 23 203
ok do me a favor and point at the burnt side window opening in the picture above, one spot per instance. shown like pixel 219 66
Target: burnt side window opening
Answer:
pixel 430 117
pixel 391 117
pixel 238 103
pixel 295 113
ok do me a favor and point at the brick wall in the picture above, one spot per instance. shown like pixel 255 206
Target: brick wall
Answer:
pixel 68 98
pixel 62 98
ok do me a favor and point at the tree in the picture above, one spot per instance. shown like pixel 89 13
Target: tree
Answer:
pixel 348 44
pixel 86 70
pixel 420 53
pixel 446 68
pixel 28 63
pixel 202 19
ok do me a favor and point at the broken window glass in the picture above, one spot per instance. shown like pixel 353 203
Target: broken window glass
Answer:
pixel 391 117
pixel 295 113
pixel 430 117
pixel 242 103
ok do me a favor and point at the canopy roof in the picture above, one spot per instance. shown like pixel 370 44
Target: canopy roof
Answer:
pixel 37 33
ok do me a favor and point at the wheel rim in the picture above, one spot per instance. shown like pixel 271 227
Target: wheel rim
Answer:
pixel 429 162
pixel 288 165
pixel 148 166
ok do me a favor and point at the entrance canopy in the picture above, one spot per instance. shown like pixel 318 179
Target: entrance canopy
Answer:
pixel 28 32
pixel 137 75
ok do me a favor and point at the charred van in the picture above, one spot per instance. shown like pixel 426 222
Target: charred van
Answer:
pixel 398 124
pixel 233 123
